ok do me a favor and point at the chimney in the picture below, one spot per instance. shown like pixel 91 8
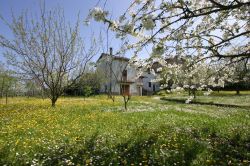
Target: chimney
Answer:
pixel 110 51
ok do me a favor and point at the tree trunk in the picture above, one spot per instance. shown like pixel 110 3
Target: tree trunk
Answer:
pixel 125 101
pixel 238 92
pixel 125 105
pixel 2 88
pixel 53 101
pixel 6 97
pixel 15 91
pixel 42 95
pixel 111 96
pixel 194 93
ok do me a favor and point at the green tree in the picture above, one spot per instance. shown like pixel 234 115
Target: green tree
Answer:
pixel 87 91
pixel 8 82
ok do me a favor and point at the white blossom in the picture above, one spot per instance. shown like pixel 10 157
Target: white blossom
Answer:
pixel 189 99
pixel 158 49
pixel 148 22
pixel 98 14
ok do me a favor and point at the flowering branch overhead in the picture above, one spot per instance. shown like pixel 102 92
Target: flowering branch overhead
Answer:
pixel 212 28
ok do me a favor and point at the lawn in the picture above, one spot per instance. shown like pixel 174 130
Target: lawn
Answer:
pixel 153 131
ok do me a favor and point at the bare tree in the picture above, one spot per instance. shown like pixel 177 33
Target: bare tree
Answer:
pixel 119 77
pixel 48 49
pixel 110 74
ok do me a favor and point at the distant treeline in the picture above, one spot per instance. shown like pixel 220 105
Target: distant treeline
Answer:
pixel 241 86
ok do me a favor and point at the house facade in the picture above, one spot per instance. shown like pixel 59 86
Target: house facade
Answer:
pixel 118 77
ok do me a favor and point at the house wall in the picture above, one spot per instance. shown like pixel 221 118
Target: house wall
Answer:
pixel 132 77
pixel 116 74
pixel 148 78
pixel 103 71
pixel 118 66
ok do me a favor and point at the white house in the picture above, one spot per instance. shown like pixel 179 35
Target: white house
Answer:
pixel 121 78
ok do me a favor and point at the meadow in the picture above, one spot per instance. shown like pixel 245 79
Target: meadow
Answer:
pixel 155 130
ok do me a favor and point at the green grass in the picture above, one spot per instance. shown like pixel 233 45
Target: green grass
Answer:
pixel 222 97
pixel 97 131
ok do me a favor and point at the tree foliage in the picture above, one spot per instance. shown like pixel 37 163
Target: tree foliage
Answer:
pixel 8 83
pixel 88 84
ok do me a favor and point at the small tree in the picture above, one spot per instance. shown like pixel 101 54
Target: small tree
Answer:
pixel 48 50
pixel 126 96
pixel 87 91
pixel 91 79
pixel 240 74
pixel 8 82
pixel 32 88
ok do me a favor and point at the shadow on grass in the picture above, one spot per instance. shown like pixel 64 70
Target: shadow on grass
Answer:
pixel 141 151
pixel 182 101
pixel 159 148
pixel 229 151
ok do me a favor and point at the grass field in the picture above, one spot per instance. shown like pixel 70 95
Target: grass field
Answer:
pixel 153 131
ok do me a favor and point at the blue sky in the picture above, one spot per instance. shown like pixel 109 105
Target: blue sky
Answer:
pixel 71 9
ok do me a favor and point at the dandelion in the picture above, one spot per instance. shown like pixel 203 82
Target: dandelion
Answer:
pixel 88 161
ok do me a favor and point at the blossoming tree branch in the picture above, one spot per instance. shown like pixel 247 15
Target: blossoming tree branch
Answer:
pixel 210 35
pixel 211 27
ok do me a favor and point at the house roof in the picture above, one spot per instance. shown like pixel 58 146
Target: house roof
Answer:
pixel 170 60
pixel 114 57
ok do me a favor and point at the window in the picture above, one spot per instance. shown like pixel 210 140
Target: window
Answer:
pixel 140 80
pixel 149 84
pixel 124 75
pixel 148 70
